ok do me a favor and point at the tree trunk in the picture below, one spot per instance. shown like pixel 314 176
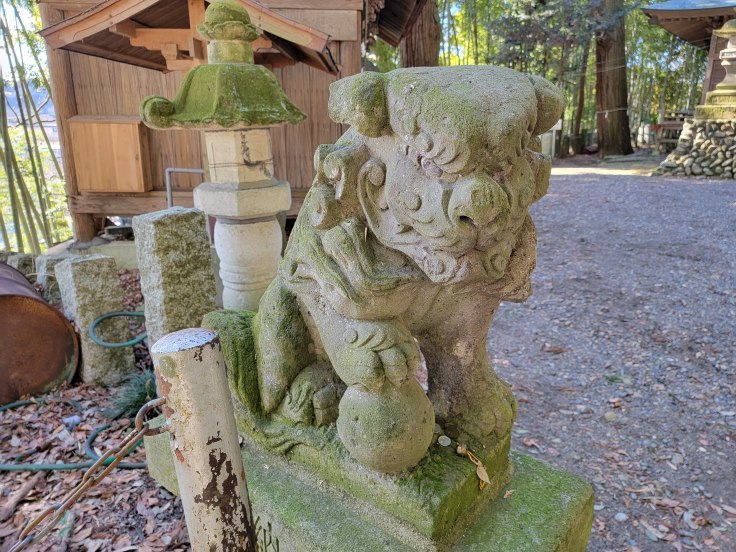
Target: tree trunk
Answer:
pixel 611 98
pixel 665 84
pixel 421 47
pixel 577 119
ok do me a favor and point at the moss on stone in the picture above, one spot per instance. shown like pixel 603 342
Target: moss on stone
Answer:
pixel 229 92
pixel 159 458
pixel 436 498
pixel 227 20
pixel 225 96
pixel 549 511
pixel 236 338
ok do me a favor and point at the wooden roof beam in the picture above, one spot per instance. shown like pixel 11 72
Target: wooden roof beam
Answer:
pixel 94 50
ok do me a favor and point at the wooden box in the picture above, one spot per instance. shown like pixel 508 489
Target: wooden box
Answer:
pixel 111 154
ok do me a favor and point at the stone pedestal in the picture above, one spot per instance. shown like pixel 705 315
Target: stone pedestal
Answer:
pixel 89 288
pixel 549 511
pixel 176 276
pixel 707 144
pixel 245 200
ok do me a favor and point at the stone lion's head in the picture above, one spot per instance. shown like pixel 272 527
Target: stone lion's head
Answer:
pixel 440 164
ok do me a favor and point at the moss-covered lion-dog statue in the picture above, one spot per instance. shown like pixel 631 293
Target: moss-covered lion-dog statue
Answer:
pixel 416 227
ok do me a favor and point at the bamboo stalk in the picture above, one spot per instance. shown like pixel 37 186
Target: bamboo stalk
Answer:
pixel 4 233
pixel 7 145
pixel 42 190
pixel 27 35
pixel 17 72
pixel 26 214
pixel 46 84
pixel 31 210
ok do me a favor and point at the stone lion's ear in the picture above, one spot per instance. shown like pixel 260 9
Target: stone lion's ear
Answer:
pixel 360 101
pixel 550 104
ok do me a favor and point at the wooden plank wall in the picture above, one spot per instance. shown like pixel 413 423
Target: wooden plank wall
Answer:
pixel 308 88
pixel 98 84
pixel 104 87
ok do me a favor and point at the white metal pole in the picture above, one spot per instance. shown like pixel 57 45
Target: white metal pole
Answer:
pixel 190 372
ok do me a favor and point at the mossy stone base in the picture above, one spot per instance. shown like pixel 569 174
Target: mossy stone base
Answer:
pixel 548 511
pixel 716 111
pixel 436 499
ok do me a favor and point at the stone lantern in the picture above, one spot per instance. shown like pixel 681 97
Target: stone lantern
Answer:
pixel 720 104
pixel 234 102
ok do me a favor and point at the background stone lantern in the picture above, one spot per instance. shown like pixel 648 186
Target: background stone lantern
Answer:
pixel 234 102
pixel 725 92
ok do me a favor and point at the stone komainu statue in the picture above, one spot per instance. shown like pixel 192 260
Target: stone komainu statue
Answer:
pixel 416 227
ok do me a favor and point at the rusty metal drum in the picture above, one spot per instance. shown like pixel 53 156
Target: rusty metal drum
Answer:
pixel 39 348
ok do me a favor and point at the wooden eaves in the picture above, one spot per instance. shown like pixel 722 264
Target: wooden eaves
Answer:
pixel 161 35
pixel 691 20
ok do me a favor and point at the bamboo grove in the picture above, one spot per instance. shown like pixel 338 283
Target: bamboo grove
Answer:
pixel 33 213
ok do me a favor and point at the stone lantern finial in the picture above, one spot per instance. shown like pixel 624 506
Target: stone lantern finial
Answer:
pixel 234 102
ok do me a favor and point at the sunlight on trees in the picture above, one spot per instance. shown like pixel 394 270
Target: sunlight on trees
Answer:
pixel 33 211
pixel 556 39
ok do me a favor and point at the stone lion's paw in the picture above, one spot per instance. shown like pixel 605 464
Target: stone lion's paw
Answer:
pixel 373 352
pixel 313 396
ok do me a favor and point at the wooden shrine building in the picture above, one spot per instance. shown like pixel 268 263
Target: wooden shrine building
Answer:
pixel 105 57
pixel 694 21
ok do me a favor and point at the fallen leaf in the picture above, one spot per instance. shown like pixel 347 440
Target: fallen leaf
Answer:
pixel 555 349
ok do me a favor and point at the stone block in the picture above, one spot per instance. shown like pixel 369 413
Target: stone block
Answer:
pixel 160 459
pixel 89 287
pixel 549 511
pixel 238 202
pixel 236 156
pixel 25 264
pixel 45 266
pixel 177 281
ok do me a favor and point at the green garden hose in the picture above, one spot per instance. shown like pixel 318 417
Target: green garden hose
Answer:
pixel 115 314
pixel 87 446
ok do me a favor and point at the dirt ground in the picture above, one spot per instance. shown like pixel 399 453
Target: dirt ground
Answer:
pixel 622 361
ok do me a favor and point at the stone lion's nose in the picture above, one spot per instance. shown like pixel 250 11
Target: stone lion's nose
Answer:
pixel 476 201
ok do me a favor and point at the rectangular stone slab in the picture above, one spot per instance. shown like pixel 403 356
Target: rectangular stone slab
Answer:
pixel 549 511
pixel 438 497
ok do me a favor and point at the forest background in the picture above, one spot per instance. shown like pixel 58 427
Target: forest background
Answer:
pixel 617 72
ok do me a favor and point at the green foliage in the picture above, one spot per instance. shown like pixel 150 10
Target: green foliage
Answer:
pixel 548 38
pixel 137 390
pixel 33 211
pixel 383 56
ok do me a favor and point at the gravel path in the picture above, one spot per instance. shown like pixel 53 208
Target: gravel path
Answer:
pixel 623 360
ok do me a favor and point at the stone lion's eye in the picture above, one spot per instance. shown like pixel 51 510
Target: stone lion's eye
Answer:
pixel 431 169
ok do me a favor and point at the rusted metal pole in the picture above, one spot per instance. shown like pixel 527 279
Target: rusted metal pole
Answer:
pixel 190 372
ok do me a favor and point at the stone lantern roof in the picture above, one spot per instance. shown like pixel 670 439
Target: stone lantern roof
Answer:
pixel 230 91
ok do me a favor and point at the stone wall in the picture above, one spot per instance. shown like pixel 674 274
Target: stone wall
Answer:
pixel 706 147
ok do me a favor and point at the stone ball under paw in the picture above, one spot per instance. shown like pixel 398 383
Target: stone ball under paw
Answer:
pixel 389 430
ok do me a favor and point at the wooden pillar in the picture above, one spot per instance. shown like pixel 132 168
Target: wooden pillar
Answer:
pixel 712 59
pixel 65 106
